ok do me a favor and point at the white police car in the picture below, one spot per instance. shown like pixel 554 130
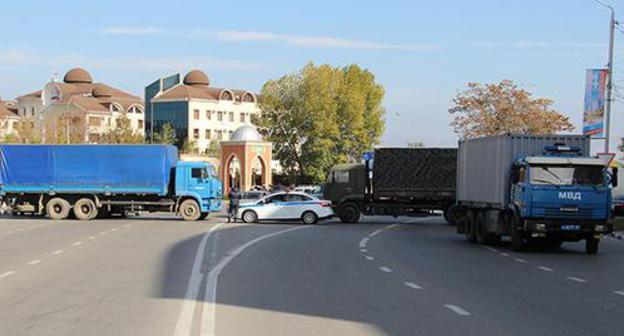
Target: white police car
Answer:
pixel 286 206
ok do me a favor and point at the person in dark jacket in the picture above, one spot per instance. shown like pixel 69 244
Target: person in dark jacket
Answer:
pixel 235 196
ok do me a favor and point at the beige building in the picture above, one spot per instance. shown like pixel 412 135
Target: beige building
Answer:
pixel 198 111
pixel 9 119
pixel 96 105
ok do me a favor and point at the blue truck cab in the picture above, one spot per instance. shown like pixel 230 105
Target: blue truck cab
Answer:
pixel 561 196
pixel 199 181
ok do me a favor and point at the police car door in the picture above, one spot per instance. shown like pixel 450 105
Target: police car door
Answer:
pixel 273 207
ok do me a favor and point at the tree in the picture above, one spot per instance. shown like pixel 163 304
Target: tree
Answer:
pixel 493 109
pixel 189 147
pixel 320 116
pixel 166 135
pixel 122 133
pixel 25 132
pixel 214 149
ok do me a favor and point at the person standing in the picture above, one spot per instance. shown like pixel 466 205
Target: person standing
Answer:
pixel 234 196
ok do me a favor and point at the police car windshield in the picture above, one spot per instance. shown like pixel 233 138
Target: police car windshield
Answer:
pixel 566 175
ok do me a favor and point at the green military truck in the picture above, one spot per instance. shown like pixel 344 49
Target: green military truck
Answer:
pixel 395 182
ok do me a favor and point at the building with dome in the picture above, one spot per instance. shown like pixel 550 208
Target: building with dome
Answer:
pixel 198 111
pixel 96 106
pixel 246 160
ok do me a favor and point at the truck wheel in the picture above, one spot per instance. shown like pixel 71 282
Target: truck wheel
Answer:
pixel 471 233
pixel 349 213
pixel 309 218
pixel 250 216
pixel 452 214
pixel 58 208
pixel 190 210
pixel 85 209
pixel 591 245
pixel 517 235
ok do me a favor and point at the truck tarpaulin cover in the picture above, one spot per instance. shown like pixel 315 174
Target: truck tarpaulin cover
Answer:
pixel 415 171
pixel 87 168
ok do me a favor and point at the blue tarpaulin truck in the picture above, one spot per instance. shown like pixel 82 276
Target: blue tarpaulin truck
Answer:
pixel 533 188
pixel 95 181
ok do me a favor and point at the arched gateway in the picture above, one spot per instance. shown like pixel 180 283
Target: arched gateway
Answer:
pixel 245 160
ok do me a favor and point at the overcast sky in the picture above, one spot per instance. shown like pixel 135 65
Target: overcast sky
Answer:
pixel 423 52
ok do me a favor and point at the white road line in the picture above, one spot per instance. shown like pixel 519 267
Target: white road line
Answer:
pixel 208 321
pixel 363 250
pixel 459 311
pixel 385 269
pixel 91 237
pixel 114 229
pixel 412 285
pixel 370 258
pixel 185 318
pixel 504 254
pixel 520 260
pixel 545 269
pixel 6 274
pixel 491 249
pixel 57 252
pixel 103 233
pixel 9 232
pixel 77 243
pixel 619 293
pixel 576 279
pixel 363 242
pixel 34 262
pixel 375 233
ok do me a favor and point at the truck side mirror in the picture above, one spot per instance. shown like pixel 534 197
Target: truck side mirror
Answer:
pixel 614 177
pixel 515 175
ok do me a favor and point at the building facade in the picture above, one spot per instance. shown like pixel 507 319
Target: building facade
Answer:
pixel 198 112
pixel 96 107
pixel 9 119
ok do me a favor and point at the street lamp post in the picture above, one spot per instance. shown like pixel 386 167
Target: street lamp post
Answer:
pixel 609 74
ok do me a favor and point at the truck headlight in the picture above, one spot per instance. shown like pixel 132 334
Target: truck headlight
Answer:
pixel 599 228
pixel 540 227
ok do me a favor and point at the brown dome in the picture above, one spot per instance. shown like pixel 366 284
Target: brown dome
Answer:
pixel 101 91
pixel 77 75
pixel 196 77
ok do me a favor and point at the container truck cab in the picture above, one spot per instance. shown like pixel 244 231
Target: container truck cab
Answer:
pixel 198 181
pixel 561 196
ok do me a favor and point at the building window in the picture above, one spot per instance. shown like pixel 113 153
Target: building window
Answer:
pixel 208 114
pixel 231 116
pixel 220 116
pixel 220 135
pixel 95 121
pixel 196 114
pixel 242 117
pixel 196 133
pixel 230 134
pixel 32 110
pixel 24 111
pixel 140 123
pixel 208 134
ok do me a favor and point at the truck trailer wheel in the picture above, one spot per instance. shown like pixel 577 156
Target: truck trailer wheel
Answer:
pixel 452 214
pixel 349 213
pixel 591 245
pixel 58 208
pixel 470 229
pixel 85 209
pixel 190 210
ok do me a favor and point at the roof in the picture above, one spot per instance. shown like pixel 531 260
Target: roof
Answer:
pixel 77 75
pixel 246 133
pixel 36 94
pixel 556 160
pixel 6 109
pixel 196 86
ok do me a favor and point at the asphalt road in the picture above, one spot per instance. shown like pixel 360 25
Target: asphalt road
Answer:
pixel 155 275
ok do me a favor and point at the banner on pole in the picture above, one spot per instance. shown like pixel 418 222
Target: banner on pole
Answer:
pixel 593 113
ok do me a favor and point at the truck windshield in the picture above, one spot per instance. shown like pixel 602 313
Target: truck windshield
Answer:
pixel 566 175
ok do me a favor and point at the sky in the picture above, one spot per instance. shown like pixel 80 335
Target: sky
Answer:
pixel 422 52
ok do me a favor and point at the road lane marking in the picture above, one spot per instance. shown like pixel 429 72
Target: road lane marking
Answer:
pixel 363 250
pixel 504 254
pixel 458 310
pixel 114 229
pixel 6 274
pixel 363 242
pixel 369 258
pixel 491 249
pixel 520 260
pixel 185 318
pixel 209 303
pixel 385 269
pixel 103 233
pixel 619 293
pixel 34 262
pixel 57 252
pixel 375 233
pixel 77 243
pixel 412 285
pixel 545 269
pixel 91 237
pixel 573 278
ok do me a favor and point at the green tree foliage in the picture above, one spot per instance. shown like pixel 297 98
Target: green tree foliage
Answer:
pixel 320 116
pixel 166 135
pixel 123 133
pixel 189 147
pixel 214 149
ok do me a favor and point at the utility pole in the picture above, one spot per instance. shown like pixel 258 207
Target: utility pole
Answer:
pixel 612 25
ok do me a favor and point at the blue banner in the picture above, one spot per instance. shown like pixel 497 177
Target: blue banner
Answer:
pixel 593 114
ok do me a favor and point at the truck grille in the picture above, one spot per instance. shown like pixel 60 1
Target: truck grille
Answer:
pixel 566 212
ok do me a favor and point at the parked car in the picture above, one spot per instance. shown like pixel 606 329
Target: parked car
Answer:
pixel 253 196
pixel 286 206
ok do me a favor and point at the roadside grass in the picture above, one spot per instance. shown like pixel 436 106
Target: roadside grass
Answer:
pixel 618 223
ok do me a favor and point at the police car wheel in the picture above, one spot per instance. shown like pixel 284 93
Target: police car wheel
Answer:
pixel 250 216
pixel 309 218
